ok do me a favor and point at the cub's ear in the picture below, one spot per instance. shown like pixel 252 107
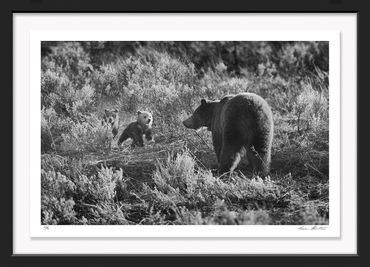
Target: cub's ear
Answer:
pixel 139 112
pixel 203 101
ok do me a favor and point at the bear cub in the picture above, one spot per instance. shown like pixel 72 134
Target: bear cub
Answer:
pixel 241 125
pixel 136 130
pixel 111 118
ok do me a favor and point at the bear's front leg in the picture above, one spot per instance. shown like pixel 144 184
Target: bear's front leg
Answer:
pixel 149 136
pixel 114 131
pixel 138 141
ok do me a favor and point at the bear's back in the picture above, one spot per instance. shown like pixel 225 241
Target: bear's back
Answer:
pixel 246 102
pixel 246 111
pixel 246 98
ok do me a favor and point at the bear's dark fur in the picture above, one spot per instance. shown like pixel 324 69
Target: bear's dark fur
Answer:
pixel 241 125
pixel 136 130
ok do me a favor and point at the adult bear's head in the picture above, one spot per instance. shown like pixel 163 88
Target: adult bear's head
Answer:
pixel 202 116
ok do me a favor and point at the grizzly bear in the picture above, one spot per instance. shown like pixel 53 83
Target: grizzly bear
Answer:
pixel 111 118
pixel 241 125
pixel 136 130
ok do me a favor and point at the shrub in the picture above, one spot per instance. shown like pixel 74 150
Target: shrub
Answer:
pixel 311 108
pixel 69 58
pixel 52 128
pixel 56 209
pixel 90 135
pixel 78 199
pixel 181 186
pixel 65 98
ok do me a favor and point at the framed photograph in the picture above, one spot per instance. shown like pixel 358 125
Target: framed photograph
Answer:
pixel 185 134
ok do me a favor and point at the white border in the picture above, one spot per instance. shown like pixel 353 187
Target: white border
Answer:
pixel 30 29
pixel 332 230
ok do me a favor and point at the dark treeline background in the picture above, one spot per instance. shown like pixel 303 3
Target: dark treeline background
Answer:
pixel 240 57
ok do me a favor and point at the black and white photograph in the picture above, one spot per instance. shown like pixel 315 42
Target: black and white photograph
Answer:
pixel 185 132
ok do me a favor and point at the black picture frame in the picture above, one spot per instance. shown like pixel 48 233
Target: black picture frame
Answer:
pixel 263 6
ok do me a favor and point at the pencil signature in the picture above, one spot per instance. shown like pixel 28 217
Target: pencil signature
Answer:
pixel 315 227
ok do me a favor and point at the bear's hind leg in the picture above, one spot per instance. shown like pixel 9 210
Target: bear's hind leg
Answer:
pixel 217 148
pixel 230 157
pixel 259 161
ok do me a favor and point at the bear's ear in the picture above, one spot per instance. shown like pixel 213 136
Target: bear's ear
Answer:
pixel 139 112
pixel 203 101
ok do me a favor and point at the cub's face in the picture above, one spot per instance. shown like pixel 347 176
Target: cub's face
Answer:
pixel 144 117
pixel 110 115
pixel 201 116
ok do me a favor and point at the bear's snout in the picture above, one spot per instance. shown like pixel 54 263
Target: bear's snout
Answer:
pixel 188 123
